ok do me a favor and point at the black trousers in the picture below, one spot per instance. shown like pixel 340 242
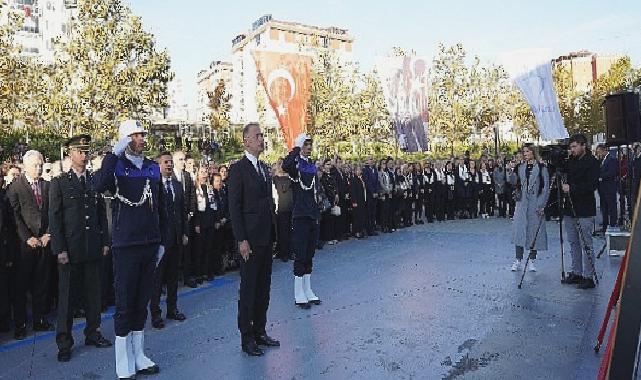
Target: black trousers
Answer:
pixel 440 196
pixel 383 211
pixel 7 278
pixel 33 275
pixel 407 210
pixel 284 234
pixel 107 280
pixel 253 300
pixel 371 214
pixel 394 212
pixel 166 272
pixel 187 255
pixel 608 205
pixel 502 204
pixel 428 202
pixel 78 281
pixel 328 227
pixel 304 239
pixel 204 243
pixel 418 207
pixel 134 283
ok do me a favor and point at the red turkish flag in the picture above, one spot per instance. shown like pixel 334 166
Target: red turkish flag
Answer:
pixel 286 78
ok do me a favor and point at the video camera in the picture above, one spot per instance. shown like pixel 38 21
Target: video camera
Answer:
pixel 556 155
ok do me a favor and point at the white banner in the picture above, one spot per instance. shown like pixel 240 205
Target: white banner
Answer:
pixel 537 86
pixel 404 81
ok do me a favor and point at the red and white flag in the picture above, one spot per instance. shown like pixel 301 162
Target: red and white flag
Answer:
pixel 286 78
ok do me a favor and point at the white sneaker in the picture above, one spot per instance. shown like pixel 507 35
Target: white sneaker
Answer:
pixel 516 266
pixel 531 266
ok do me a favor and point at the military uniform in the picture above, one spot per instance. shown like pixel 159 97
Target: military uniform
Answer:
pixel 78 226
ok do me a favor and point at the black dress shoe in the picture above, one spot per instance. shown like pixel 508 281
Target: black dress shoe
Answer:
pixel 587 283
pixel 191 283
pixel 42 325
pixel 20 333
pixel 64 355
pixel 98 341
pixel 252 349
pixel 157 323
pixel 154 369
pixel 315 302
pixel 572 279
pixel 176 316
pixel 304 305
pixel 266 340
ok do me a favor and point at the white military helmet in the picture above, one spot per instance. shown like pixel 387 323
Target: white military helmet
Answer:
pixel 129 127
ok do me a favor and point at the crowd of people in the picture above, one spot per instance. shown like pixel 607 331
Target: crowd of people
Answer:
pixel 344 200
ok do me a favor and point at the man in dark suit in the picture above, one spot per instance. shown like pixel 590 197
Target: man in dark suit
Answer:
pixel 168 268
pixel 608 175
pixel 370 176
pixel 29 198
pixel 7 257
pixel 78 225
pixel 251 208
pixel 189 201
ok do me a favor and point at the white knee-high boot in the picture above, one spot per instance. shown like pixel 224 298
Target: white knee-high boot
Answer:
pixel 125 366
pixel 307 288
pixel 299 293
pixel 144 365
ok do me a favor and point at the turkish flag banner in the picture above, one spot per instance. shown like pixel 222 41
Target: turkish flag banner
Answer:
pixel 286 78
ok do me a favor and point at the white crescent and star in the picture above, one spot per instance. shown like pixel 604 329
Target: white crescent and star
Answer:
pixel 285 74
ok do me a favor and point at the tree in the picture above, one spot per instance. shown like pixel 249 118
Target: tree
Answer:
pixel 109 69
pixel 492 90
pixel 451 96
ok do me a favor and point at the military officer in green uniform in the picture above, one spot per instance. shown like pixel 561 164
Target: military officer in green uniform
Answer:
pixel 79 238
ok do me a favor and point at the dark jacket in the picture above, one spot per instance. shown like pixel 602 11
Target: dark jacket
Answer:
pixel 176 225
pixel 583 178
pixel 207 218
pixel 283 187
pixel 370 176
pixel 250 203
pixel 133 225
pixel 31 220
pixel 189 192
pixel 358 191
pixel 77 219
pixel 608 173
pixel 301 170
pixel 8 245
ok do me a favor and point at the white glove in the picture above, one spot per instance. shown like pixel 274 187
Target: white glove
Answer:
pixel 300 140
pixel 121 145
pixel 160 254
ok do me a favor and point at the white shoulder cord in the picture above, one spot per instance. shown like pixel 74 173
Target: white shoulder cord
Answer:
pixel 146 194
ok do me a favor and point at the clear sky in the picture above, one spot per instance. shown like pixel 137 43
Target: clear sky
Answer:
pixel 511 33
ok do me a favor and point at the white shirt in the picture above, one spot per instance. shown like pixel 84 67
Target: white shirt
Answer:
pixel 462 172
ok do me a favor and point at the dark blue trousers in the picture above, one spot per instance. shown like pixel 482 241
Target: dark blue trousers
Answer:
pixel 304 237
pixel 134 283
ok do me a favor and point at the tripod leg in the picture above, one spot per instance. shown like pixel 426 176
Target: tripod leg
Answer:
pixel 524 270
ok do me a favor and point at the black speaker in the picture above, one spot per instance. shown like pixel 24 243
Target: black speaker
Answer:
pixel 622 118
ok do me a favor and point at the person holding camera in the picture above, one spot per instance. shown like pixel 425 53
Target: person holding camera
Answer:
pixel 533 190
pixel 579 210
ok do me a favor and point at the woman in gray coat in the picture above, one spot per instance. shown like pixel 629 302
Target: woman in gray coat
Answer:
pixel 533 183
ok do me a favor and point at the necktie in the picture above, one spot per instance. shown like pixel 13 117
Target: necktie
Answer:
pixel 83 183
pixel 260 170
pixel 36 193
pixel 170 192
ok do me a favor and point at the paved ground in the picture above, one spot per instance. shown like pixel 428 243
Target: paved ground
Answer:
pixel 428 302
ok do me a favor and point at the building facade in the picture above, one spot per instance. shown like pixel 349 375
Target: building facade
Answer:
pixel 208 81
pixel 249 101
pixel 585 67
pixel 44 22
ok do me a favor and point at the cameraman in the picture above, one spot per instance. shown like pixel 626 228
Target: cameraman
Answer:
pixel 580 209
